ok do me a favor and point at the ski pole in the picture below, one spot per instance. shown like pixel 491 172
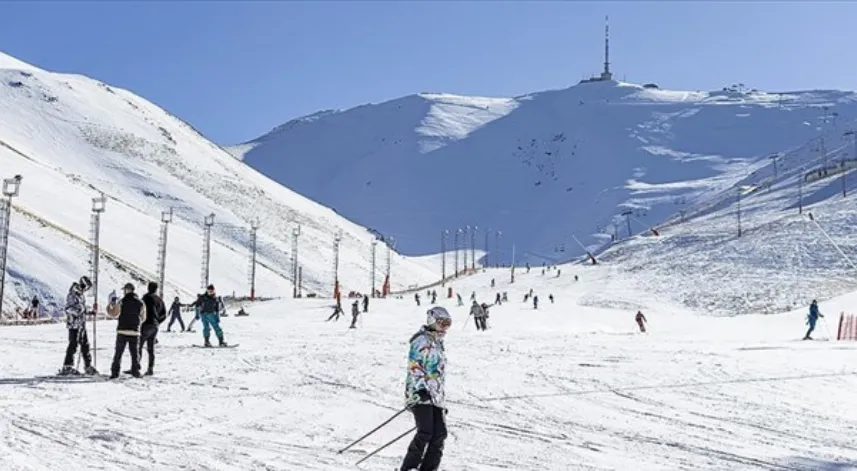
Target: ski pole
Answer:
pixel 374 430
pixel 827 328
pixel 385 446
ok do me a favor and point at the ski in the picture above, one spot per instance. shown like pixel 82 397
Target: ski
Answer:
pixel 215 348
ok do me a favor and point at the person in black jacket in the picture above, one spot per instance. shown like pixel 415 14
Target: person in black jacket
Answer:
pixel 155 315
pixel 131 312
pixel 176 314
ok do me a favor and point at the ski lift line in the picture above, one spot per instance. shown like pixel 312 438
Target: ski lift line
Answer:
pixel 668 386
pixel 811 218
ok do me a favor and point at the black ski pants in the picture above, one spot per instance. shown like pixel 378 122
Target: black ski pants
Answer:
pixel 176 316
pixel 148 334
pixel 133 342
pixel 77 337
pixel 426 449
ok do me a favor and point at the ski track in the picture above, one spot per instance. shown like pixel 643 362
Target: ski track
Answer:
pixel 564 387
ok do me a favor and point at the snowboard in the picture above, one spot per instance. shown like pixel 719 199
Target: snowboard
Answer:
pixel 231 345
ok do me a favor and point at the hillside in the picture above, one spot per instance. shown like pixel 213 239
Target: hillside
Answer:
pixel 72 137
pixel 540 168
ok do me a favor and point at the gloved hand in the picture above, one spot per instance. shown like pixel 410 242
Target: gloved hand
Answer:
pixel 424 395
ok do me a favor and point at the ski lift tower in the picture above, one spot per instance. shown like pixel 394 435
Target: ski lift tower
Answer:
pixel 11 186
pixel 206 250
pixel 98 206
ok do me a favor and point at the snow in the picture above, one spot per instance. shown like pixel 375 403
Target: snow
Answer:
pixel 540 167
pixel 72 138
pixel 569 386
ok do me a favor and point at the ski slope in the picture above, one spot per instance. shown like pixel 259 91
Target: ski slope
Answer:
pixel 73 138
pixel 565 387
pixel 542 168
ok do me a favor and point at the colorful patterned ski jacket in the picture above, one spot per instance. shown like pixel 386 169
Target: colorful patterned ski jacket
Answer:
pixel 426 365
pixel 75 308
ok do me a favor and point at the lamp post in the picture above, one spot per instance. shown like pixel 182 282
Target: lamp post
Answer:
pixel 98 206
pixel 166 219
pixel 11 187
pixel 372 270
pixel 254 227
pixel 336 241
pixel 296 232
pixel 443 236
pixel 208 221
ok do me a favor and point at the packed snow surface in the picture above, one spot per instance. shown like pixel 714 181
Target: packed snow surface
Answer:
pixel 564 387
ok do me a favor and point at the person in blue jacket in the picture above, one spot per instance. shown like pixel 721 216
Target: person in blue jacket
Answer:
pixel 812 318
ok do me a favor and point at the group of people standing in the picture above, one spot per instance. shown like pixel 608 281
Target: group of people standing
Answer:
pixel 137 324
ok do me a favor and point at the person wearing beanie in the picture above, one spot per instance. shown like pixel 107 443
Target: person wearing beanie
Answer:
pixel 132 313
pixel 155 314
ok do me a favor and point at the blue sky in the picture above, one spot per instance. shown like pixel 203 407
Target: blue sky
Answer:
pixel 235 70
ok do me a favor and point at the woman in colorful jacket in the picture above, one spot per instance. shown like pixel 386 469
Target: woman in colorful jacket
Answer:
pixel 424 392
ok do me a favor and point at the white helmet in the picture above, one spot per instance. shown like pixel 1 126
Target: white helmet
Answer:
pixel 437 316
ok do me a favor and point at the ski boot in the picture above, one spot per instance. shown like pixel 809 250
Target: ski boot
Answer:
pixel 91 371
pixel 207 344
pixel 222 342
pixel 150 372
pixel 68 370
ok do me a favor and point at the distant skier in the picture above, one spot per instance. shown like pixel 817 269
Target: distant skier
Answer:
pixel 34 311
pixel 365 303
pixel 155 315
pixel 132 312
pixel 576 278
pixel 473 296
pixel 505 297
pixel 483 320
pixel 337 311
pixel 458 298
pixel 417 298
pixel 550 297
pixel 209 308
pixel 355 312
pixel 176 314
pixel 492 282
pixel 75 311
pixel 558 273
pixel 498 299
pixel 195 306
pixel 434 297
pixel 424 392
pixel 535 302
pixel 477 313
pixel 641 321
pixel 812 318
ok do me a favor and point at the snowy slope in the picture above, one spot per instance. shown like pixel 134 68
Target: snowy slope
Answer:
pixel 566 387
pixel 71 137
pixel 541 167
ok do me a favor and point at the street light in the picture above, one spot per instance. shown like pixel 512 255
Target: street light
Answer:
pixel 208 221
pixel 11 187
pixel 98 206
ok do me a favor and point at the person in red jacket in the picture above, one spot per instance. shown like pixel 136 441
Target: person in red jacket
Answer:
pixel 641 320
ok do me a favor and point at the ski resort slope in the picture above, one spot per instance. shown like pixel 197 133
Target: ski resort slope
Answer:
pixel 541 168
pixel 72 138
pixel 564 387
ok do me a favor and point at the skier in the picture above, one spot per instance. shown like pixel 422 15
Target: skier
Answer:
pixel 484 319
pixel 195 307
pixel 641 320
pixel 473 296
pixel 458 297
pixel 812 318
pixel 576 278
pixel 75 311
pixel 505 297
pixel 132 312
pixel 424 392
pixel 417 298
pixel 535 302
pixel 33 311
pixel 550 296
pixel 477 313
pixel 498 299
pixel 492 282
pixel 176 314
pixel 365 303
pixel 558 273
pixel 209 308
pixel 355 312
pixel 337 311
pixel 243 313
pixel 434 297
pixel 155 315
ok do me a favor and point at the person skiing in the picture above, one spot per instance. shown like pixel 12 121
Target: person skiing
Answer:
pixel 155 315
pixel 483 320
pixel 337 311
pixel 75 311
pixel 812 318
pixel 355 312
pixel 492 282
pixel 424 392
pixel 550 297
pixel 641 320
pixel 505 297
pixel 498 299
pixel 535 302
pixel 176 314
pixel 366 303
pixel 209 313
pixel 458 298
pixel 132 313
pixel 477 313
pixel 434 297
pixel 417 298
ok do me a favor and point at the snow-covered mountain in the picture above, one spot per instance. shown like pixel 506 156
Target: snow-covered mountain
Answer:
pixel 540 168
pixel 71 138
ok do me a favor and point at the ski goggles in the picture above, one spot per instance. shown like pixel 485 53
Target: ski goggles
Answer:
pixel 443 323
